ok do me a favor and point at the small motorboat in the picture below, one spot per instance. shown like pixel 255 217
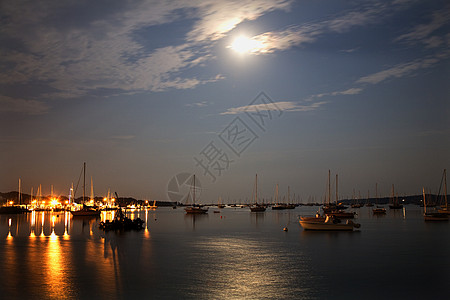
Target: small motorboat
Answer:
pixel 330 224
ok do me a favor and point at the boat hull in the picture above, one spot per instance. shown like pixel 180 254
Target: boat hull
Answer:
pixel 323 226
pixel 257 208
pixel 86 213
pixel 195 210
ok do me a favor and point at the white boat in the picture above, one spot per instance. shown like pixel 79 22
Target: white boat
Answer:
pixel 330 224
pixel 194 208
pixel 257 207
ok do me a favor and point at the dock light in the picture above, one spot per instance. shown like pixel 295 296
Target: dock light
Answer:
pixel 105 199
pixel 113 199
pixel 11 202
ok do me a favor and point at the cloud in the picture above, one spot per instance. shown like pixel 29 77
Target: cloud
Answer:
pixel 275 106
pixel 272 41
pixel 399 70
pixel 220 17
pixel 198 104
pixel 423 32
pixel 17 105
pixel 74 55
pixel 350 91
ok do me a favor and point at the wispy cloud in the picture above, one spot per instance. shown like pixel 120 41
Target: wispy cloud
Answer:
pixel 400 70
pixel 198 104
pixel 298 35
pixel 423 33
pixel 275 106
pixel 350 91
pixel 30 107
pixel 76 56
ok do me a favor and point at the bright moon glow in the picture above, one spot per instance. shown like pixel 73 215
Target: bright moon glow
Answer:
pixel 243 44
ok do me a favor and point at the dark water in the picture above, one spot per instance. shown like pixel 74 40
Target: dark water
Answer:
pixel 233 254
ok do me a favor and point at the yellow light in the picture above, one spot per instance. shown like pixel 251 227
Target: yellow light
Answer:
pixel 92 201
pixel 105 199
pixel 67 201
pixel 43 202
pixel 11 202
pixel 54 202
pixel 113 199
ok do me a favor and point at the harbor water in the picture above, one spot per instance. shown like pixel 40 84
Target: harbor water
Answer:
pixel 230 254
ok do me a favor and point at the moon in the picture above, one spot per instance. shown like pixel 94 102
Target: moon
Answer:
pixel 244 44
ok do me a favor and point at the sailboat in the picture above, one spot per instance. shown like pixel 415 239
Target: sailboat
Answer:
pixel 14 209
pixel 444 208
pixel 277 205
pixel 86 211
pixel 257 207
pixel 394 201
pixel 330 222
pixel 338 213
pixel 379 210
pixel 194 208
pixel 432 216
pixel 219 203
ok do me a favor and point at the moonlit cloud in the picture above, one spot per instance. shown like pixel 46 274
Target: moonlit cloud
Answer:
pixel 350 91
pixel 276 106
pixel 400 70
pixel 299 35
pixel 74 56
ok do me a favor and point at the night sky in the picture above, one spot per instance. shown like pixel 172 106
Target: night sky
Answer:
pixel 144 90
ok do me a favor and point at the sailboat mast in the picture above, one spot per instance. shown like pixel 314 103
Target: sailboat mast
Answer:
pixel 424 201
pixel 193 200
pixel 445 188
pixel 289 199
pixel 329 188
pixel 92 190
pixel 84 180
pixel 337 189
pixel 276 194
pixel 256 188
pixel 19 200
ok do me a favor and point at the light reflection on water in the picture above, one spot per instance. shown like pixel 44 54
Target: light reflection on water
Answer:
pixel 234 254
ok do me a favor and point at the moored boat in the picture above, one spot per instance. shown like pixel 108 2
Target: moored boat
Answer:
pixel 256 207
pixel 330 224
pixel 379 210
pixel 194 208
pixel 86 211
pixel 432 216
